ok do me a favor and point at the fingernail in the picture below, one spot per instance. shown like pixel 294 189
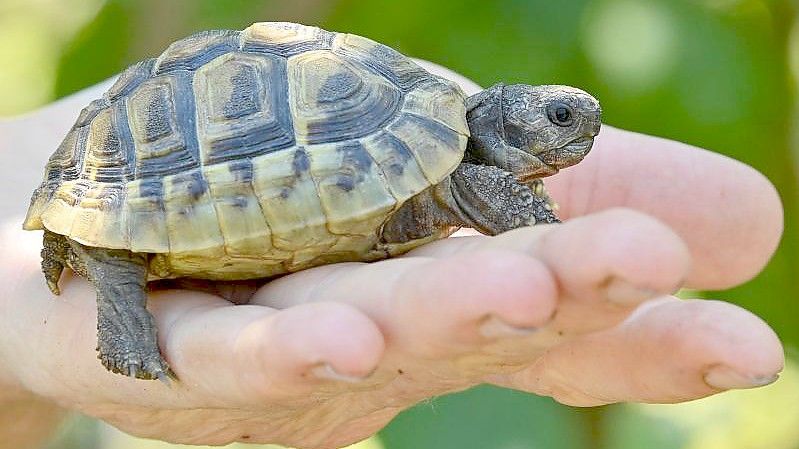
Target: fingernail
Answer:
pixel 326 372
pixel 495 327
pixel 725 378
pixel 624 293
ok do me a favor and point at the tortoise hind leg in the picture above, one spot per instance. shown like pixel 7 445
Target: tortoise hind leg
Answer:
pixel 126 333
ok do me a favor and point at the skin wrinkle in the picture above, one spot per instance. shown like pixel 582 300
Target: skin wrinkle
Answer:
pixel 322 284
pixel 475 315
pixel 559 388
pixel 262 320
pixel 372 420
pixel 266 379
pixel 675 333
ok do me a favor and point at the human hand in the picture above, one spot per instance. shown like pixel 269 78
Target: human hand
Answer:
pixel 328 356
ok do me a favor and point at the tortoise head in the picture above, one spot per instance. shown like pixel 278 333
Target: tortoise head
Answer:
pixel 554 125
pixel 557 124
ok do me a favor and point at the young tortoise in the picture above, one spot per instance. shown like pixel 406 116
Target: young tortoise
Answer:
pixel 241 155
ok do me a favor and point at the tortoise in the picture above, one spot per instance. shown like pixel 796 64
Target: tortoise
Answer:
pixel 250 154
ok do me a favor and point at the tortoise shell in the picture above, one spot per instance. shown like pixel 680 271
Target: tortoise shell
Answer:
pixel 253 153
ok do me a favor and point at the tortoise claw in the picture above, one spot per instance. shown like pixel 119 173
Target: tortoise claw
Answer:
pixel 164 378
pixel 133 369
pixel 53 286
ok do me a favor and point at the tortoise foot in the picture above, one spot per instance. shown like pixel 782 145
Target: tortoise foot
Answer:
pixel 122 353
pixel 126 334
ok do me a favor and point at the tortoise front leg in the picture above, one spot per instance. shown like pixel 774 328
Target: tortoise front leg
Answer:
pixel 492 201
pixel 126 332
pixel 483 197
pixel 539 190
pixel 55 251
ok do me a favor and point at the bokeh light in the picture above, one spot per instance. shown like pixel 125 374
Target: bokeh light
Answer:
pixel 633 45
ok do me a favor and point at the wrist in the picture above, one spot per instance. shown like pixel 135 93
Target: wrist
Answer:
pixel 11 386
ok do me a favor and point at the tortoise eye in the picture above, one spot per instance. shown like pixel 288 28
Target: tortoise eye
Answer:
pixel 560 114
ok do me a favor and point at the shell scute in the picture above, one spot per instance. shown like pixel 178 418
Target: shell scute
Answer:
pixel 107 158
pixel 196 50
pixel 91 110
pixel 398 165
pixel 440 100
pixel 244 228
pixel 353 196
pixel 130 79
pixel 437 148
pixel 159 128
pixel 99 219
pixel 284 38
pixel 290 202
pixel 333 100
pixel 144 208
pixel 191 219
pixel 66 162
pixel 242 107
pixel 381 60
pixel 64 166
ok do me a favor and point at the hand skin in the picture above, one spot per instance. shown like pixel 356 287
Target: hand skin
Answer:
pixel 326 357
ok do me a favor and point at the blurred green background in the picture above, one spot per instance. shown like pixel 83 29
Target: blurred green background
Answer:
pixel 715 73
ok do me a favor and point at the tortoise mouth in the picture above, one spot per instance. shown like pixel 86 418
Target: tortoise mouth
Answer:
pixel 578 146
pixel 569 154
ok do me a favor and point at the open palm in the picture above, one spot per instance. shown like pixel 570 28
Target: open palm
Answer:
pixel 326 357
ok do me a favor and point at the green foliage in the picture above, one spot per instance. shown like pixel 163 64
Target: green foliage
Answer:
pixel 98 51
pixel 489 417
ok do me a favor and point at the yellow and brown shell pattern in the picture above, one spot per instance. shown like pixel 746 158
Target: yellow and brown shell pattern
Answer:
pixel 248 154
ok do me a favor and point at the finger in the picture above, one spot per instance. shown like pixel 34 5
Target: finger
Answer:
pixel 223 355
pixel 619 255
pixel 668 351
pixel 432 308
pixel 728 214
pixel 252 351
